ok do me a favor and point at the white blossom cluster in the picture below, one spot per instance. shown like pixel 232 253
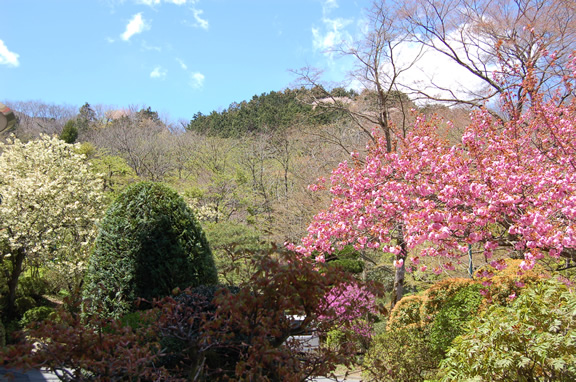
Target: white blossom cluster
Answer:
pixel 50 203
pixel 204 212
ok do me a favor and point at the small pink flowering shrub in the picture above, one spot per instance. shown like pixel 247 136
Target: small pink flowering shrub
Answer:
pixel 341 298
pixel 353 326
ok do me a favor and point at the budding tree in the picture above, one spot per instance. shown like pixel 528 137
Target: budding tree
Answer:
pixel 491 39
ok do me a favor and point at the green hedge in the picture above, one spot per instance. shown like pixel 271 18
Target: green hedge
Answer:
pixel 149 243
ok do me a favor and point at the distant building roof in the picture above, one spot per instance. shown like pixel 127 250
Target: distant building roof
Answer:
pixel 7 118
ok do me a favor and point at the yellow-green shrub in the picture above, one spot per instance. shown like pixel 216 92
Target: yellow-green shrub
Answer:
pixel 406 313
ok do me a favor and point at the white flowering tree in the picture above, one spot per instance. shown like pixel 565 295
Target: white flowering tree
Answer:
pixel 50 203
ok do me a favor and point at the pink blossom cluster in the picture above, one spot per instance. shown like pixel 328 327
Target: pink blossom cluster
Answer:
pixel 508 186
pixel 350 304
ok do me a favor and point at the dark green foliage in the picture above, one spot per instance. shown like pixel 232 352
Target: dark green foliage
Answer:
pixel 341 92
pixel 349 265
pixel 400 355
pixel 34 287
pixel 35 315
pixel 24 304
pixel 69 132
pixel 452 319
pixel 86 116
pixel 148 114
pixel 267 112
pixel 149 243
pixel 347 259
pixel 2 335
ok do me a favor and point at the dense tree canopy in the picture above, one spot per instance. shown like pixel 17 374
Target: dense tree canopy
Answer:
pixel 50 202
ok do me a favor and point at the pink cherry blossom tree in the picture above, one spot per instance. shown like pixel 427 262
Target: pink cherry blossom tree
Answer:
pixel 508 187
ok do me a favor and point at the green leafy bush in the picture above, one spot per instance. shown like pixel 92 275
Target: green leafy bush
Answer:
pixel 233 246
pixel 406 312
pixel 532 339
pixel 36 315
pixel 32 286
pixel 335 338
pixel 347 259
pixel 400 355
pixel 149 244
pixel 437 296
pixel 452 319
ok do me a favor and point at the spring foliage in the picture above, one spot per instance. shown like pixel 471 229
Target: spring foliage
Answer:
pixel 149 243
pixel 534 338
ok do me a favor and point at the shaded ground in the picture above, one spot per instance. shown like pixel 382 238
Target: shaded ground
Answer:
pixel 30 376
pixel 353 376
pixel 42 376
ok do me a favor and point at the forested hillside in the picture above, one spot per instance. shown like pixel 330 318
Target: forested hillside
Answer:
pixel 266 113
pixel 239 165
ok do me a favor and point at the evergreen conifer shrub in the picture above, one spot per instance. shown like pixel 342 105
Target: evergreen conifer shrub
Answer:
pixel 149 244
pixel 69 132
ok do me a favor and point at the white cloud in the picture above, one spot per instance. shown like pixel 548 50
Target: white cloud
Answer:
pixel 434 70
pixel 329 4
pixel 197 80
pixel 145 46
pixel 200 22
pixel 150 3
pixel 333 33
pixel 182 64
pixel 158 72
pixel 7 57
pixel 136 25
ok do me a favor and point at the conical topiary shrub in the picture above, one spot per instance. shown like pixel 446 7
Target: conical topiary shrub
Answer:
pixel 149 243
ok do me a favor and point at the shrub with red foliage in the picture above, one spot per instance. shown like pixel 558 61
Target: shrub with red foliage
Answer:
pixel 206 334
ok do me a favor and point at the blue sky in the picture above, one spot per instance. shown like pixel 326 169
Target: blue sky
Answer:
pixel 176 56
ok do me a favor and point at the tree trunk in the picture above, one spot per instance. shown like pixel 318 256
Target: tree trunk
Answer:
pixel 398 291
pixel 17 262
